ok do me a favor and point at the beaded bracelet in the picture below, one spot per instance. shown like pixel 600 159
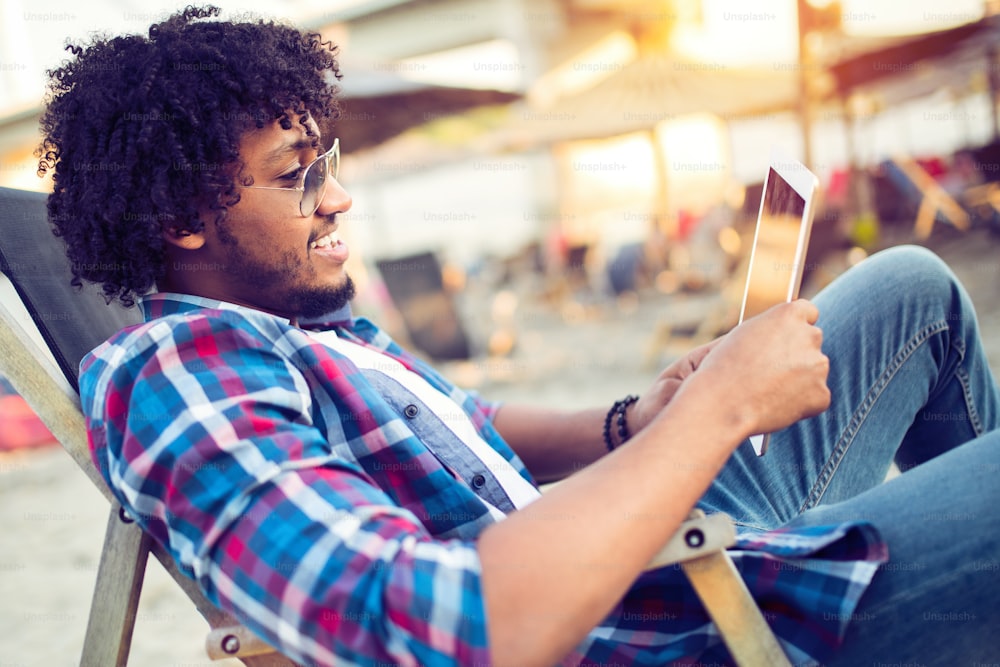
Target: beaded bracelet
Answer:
pixel 617 412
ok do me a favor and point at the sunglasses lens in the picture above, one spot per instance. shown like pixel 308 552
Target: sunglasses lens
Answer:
pixel 313 187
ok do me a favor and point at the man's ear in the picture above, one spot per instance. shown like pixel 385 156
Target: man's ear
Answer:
pixel 184 239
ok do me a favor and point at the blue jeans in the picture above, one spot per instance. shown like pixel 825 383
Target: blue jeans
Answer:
pixel 910 383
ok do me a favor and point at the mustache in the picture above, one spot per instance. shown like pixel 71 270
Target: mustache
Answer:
pixel 330 223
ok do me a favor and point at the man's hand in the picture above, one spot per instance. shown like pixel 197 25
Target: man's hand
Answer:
pixel 666 385
pixel 768 372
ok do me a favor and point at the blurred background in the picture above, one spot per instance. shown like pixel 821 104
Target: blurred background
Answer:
pixel 554 198
pixel 584 152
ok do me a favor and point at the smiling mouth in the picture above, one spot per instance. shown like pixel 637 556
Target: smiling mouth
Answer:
pixel 325 241
pixel 330 247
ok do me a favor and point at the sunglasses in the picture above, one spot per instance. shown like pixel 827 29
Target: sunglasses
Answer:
pixel 312 182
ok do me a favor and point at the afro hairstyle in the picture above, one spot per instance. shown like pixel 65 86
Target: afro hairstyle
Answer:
pixel 143 133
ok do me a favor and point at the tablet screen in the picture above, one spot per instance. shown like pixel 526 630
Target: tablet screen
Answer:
pixel 780 244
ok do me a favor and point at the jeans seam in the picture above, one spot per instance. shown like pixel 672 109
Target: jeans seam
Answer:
pixel 862 411
pixel 970 406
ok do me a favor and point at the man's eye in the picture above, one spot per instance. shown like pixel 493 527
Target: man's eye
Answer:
pixel 292 176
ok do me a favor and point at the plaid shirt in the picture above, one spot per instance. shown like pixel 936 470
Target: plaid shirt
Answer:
pixel 316 506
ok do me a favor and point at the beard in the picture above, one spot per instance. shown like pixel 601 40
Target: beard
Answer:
pixel 272 282
pixel 316 302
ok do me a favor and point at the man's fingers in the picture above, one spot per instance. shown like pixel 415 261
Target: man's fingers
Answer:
pixel 807 309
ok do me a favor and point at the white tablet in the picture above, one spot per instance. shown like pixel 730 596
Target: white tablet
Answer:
pixel 780 242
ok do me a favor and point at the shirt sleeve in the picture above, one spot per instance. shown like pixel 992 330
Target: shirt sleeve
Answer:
pixel 206 435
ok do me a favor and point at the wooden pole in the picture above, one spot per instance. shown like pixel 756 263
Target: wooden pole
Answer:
pixel 805 106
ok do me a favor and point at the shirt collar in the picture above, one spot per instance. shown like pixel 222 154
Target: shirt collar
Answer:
pixel 342 317
pixel 161 304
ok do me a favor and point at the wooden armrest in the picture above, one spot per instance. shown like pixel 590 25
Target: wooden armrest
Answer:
pixel 698 536
pixel 987 194
pixel 235 641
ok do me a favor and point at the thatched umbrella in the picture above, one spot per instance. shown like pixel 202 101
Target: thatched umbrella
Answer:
pixel 651 89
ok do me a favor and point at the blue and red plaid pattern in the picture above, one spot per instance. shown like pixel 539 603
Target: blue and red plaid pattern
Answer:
pixel 301 500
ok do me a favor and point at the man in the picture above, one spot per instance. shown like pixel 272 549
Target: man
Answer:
pixel 353 507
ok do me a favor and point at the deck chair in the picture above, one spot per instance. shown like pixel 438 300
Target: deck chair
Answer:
pixel 46 327
pixel 416 287
pixel 935 202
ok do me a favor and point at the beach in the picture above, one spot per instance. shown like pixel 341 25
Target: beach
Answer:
pixel 573 356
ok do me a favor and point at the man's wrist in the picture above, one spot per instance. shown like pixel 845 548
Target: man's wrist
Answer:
pixel 616 425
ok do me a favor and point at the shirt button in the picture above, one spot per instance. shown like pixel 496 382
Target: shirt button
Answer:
pixel 479 481
pixel 411 411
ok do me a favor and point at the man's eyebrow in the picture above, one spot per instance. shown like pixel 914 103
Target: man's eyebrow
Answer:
pixel 281 152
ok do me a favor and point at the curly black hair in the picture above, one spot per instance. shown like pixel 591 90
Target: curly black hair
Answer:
pixel 143 133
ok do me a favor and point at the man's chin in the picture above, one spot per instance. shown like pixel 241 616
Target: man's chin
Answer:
pixel 313 304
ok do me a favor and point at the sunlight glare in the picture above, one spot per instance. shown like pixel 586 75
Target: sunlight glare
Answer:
pixel 741 33
pixel 891 17
pixel 697 157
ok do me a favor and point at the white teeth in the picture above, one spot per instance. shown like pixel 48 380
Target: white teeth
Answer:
pixel 323 241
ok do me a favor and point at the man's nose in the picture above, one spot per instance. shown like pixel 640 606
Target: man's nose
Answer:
pixel 335 200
